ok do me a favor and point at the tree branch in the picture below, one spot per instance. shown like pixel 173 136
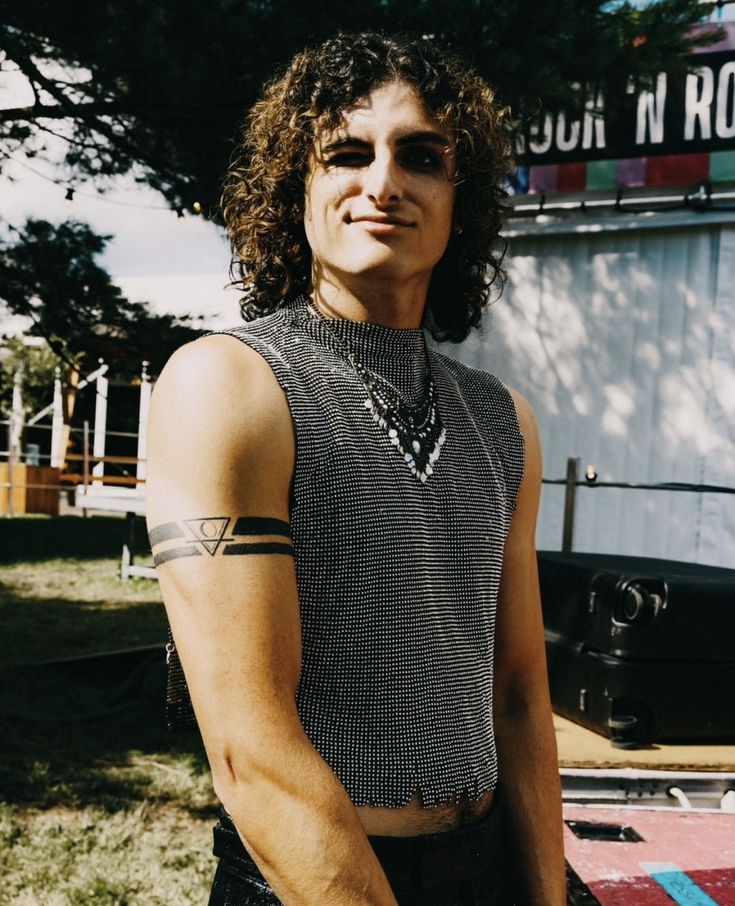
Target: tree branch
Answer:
pixel 24 60
pixel 71 141
pixel 58 112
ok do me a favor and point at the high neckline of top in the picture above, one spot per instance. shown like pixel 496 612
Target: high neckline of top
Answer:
pixel 399 356
pixel 304 308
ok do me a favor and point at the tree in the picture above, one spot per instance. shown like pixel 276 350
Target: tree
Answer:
pixel 49 275
pixel 158 87
pixel 37 365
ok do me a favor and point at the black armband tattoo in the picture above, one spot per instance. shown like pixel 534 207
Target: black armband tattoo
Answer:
pixel 210 535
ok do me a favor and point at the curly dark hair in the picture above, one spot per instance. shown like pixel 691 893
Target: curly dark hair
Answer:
pixel 263 197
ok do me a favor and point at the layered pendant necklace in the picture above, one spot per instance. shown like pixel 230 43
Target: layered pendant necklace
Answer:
pixel 415 430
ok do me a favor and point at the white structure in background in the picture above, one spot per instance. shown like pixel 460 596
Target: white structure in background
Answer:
pixel 100 424
pixel 99 377
pixel 56 408
pixel 146 388
pixel 15 434
pixel 620 328
pixel 17 417
pixel 57 423
pixel 128 500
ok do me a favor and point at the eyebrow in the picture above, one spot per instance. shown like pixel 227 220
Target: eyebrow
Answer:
pixel 433 138
pixel 411 138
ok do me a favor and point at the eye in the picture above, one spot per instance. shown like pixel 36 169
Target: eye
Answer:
pixel 348 159
pixel 422 159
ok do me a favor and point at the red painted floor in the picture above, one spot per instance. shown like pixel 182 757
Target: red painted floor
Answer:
pixel 702 846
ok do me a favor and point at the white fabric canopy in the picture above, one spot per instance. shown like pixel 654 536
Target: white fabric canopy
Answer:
pixel 624 341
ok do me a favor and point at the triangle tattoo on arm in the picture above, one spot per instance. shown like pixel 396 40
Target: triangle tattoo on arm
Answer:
pixel 209 534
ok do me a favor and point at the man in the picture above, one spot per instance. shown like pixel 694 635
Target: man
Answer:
pixel 344 520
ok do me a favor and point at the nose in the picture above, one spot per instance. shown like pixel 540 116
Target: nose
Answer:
pixel 382 181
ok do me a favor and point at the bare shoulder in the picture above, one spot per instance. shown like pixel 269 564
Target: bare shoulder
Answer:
pixel 525 413
pixel 216 368
pixel 220 429
pixel 532 448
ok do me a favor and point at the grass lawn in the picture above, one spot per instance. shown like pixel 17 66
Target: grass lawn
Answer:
pixel 99 803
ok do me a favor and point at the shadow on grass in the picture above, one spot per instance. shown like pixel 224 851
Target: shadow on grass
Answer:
pixel 39 629
pixel 75 736
pixel 88 733
pixel 35 538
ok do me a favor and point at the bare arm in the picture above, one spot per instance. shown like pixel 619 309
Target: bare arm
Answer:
pixel 221 449
pixel 529 772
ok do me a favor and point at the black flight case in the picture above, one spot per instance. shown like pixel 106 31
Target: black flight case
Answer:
pixel 640 649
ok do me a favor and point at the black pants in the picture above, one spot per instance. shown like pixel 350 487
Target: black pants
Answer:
pixel 457 868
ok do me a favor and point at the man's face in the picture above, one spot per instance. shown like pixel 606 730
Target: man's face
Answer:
pixel 380 193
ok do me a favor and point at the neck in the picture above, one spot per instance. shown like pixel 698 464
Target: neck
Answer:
pixel 385 306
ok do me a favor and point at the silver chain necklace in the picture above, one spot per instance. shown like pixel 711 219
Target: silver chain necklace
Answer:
pixel 416 431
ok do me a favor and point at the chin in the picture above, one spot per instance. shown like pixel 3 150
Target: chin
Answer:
pixel 382 266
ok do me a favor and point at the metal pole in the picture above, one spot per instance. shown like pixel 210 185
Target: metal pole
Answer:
pixel 569 503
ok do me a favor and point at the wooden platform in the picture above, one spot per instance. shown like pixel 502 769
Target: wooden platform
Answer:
pixel 111 500
pixel 581 748
pixel 679 857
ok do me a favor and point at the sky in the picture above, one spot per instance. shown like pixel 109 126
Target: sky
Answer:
pixel 178 265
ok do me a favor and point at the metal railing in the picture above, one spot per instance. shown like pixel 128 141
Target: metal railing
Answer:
pixel 590 480
pixel 68 478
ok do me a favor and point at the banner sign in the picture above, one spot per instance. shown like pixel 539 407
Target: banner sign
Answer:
pixel 688 115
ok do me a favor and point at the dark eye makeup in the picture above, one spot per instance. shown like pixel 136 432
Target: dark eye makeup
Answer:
pixel 348 159
pixel 421 158
pixel 418 158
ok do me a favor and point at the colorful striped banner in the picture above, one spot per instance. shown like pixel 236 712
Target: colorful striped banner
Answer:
pixel 667 170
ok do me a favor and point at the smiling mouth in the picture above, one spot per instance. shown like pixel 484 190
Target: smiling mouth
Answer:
pixel 381 221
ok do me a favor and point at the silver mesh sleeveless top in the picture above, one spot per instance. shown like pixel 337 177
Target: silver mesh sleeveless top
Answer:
pixel 397 580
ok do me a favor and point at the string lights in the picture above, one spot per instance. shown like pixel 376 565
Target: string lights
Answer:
pixel 71 192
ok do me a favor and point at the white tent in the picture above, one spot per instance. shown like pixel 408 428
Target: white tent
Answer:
pixel 620 329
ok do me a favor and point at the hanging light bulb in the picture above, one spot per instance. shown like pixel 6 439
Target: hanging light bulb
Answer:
pixel 196 207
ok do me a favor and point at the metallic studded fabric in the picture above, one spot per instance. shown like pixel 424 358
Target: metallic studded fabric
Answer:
pixel 397 580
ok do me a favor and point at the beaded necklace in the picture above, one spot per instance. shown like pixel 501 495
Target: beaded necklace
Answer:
pixel 416 431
